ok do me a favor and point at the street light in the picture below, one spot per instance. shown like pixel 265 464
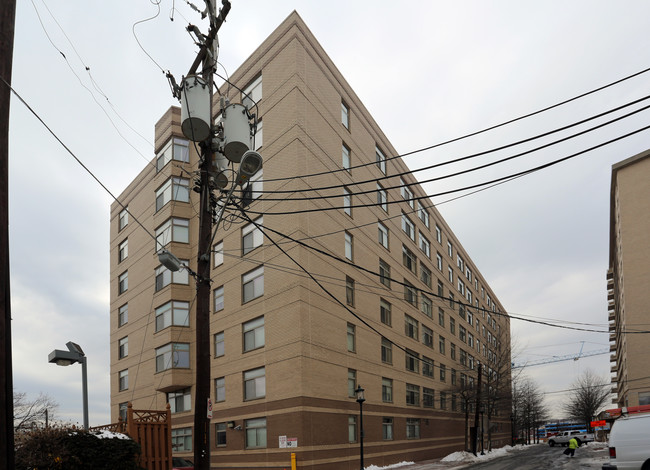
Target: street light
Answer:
pixel 360 399
pixel 66 358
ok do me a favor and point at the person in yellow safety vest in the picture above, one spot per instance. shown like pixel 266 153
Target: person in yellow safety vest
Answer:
pixel 573 445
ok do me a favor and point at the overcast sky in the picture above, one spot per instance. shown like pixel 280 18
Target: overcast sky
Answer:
pixel 427 71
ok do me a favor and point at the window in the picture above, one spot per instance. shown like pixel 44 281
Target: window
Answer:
pixel 123 251
pixel 385 312
pixel 386 351
pixel 461 311
pixel 123 218
pixel 352 428
pixel 441 345
pixel 423 215
pixel 349 246
pixel 427 397
pixel 460 262
pixel 258 138
pixel 347 201
pixel 383 235
pixel 413 428
pixel 412 395
pixel 123 315
pixel 427 336
pixel 462 334
pixel 253 334
pixel 219 302
pixel 345 115
pixel 255 432
pixel 252 236
pixel 441 317
pixel 349 291
pixel 454 406
pixel 382 197
pixel 174 313
pixel 218 254
pixel 386 390
pixel 257 184
pixel 220 429
pixel 180 400
pixel 252 93
pixel 453 376
pixel 219 344
pixel 352 344
pixel 425 246
pixel 123 283
pixel 380 159
pixel 220 389
pixel 254 384
pixel 427 367
pixel 426 306
pixel 441 290
pixel 384 273
pixel 412 361
pixel 463 357
pixel 253 284
pixel 164 276
pixel 124 379
pixel 406 192
pixel 123 347
pixel 470 340
pixel 408 227
pixel 452 351
pixel 173 356
pixel 182 440
pixel 443 373
pixel 409 259
pixel 461 287
pixel 443 400
pixel 174 189
pixel 123 413
pixel 452 326
pixel 352 382
pixel 425 274
pixel 410 294
pixel 345 157
pixel 411 327
pixel 450 249
pixel 452 302
pixel 450 273
pixel 387 429
pixel 173 230
pixel 176 149
pixel 438 234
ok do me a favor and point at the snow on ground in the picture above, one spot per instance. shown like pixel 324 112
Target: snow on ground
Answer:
pixel 469 457
pixel 395 465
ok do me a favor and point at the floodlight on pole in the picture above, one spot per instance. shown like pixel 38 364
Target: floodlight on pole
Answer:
pixel 251 163
pixel 69 357
pixel 169 261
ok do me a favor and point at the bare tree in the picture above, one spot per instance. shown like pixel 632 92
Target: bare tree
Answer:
pixel 31 413
pixel 589 393
pixel 529 410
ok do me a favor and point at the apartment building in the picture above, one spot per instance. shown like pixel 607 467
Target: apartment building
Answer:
pixel 628 278
pixel 399 309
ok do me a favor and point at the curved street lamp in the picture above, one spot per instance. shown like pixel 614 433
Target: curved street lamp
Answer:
pixel 66 358
pixel 360 399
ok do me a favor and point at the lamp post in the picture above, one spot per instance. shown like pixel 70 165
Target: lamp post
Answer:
pixel 360 399
pixel 66 358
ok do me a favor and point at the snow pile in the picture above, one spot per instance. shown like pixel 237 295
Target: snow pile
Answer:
pixel 469 457
pixel 395 465
pixel 110 435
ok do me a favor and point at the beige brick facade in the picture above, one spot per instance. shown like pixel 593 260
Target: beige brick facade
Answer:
pixel 628 279
pixel 306 354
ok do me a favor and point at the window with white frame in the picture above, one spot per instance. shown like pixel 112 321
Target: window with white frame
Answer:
pixel 124 379
pixel 385 312
pixel 123 251
pixel 450 249
pixel 220 389
pixel 174 189
pixel 217 251
pixel 427 336
pixel 410 293
pixel 384 273
pixel 349 246
pixel 352 382
pixel 164 276
pixel 409 260
pixel 383 234
pixel 352 340
pixel 253 284
pixel 345 157
pixel 219 301
pixel 352 429
pixel 220 433
pixel 411 327
pixel 258 137
pixel 173 229
pixel 173 313
pixel 413 428
pixel 380 159
pixel 386 390
pixel 425 274
pixel 382 197
pixel 123 347
pixel 461 287
pixel 173 356
pixel 438 234
pixel 408 227
pixel 425 245
pixel 441 345
pixel 252 93
pixel 439 261
pixel 123 315
pixel 180 400
pixel 450 274
pixel 253 334
pixel 386 351
pixel 347 201
pixel 123 282
pixel 219 344
pixel 345 115
pixel 412 394
pixel 257 184
pixel 176 149
pixel 182 439
pixel 406 192
pixel 423 214
pixel 387 429
pixel 349 291
pixel 255 384
pixel 252 236
pixel 441 317
pixel 426 306
pixel 123 218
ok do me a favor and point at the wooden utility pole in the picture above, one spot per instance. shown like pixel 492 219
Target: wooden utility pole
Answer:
pixel 477 410
pixel 7 25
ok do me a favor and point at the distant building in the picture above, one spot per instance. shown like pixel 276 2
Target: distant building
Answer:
pixel 628 280
pixel 286 358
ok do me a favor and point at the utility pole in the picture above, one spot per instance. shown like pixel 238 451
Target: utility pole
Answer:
pixel 476 411
pixel 7 25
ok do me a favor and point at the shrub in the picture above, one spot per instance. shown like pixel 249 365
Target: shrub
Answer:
pixel 67 448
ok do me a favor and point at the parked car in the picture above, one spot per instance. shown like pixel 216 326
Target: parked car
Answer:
pixel 179 463
pixel 563 438
pixel 629 443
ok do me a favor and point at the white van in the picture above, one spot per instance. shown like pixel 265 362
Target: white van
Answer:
pixel 629 443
